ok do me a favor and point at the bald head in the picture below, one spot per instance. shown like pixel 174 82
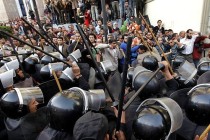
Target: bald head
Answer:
pixel 182 34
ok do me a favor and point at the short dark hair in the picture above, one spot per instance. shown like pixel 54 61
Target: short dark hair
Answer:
pixel 60 38
pixel 112 40
pixel 142 47
pixel 123 36
pixel 91 34
pixel 159 20
pixel 189 30
pixel 170 30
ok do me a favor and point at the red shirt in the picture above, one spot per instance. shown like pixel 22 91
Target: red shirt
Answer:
pixel 196 53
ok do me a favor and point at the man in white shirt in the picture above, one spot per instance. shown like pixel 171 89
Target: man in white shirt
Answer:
pixel 99 26
pixel 188 43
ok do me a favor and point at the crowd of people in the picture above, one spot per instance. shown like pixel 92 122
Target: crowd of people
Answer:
pixel 65 11
pixel 33 107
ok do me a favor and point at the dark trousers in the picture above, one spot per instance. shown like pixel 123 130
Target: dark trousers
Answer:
pixel 188 57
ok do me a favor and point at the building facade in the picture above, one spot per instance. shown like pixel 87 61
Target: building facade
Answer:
pixel 180 14
pixel 11 9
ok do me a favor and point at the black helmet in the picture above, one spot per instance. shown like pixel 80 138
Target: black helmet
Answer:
pixel 140 76
pixel 187 74
pixel 67 74
pixel 15 102
pixel 156 128
pixel 203 66
pixel 157 119
pixel 66 107
pixel 150 62
pixel 197 108
pixel 47 59
pixel 46 71
pixel 130 73
pixel 178 61
pixel 204 78
pixel 10 105
pixel 29 64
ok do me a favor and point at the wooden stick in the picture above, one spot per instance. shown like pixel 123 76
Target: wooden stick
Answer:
pixel 76 44
pixel 145 44
pixel 157 43
pixel 203 135
pixel 57 82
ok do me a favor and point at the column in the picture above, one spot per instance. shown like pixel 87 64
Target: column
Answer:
pixel 26 8
pixel 205 22
pixel 19 8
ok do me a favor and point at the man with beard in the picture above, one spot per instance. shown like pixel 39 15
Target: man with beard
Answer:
pixel 188 43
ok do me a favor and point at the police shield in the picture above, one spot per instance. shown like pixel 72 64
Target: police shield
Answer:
pixel 46 71
pixel 204 78
pixel 203 66
pixel 15 103
pixel 67 74
pixel 30 62
pixel 107 66
pixel 47 59
pixel 7 78
pixel 11 58
pixel 187 71
pixel 177 62
pixel 74 56
pixel 3 69
pixel 170 114
pixel 12 65
pixel 197 107
pixel 93 100
pixel 26 94
pixel 114 84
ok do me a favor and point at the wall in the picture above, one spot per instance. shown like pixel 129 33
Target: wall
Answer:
pixel 176 14
pixel 40 6
pixel 3 13
pixel 18 7
pixel 11 9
